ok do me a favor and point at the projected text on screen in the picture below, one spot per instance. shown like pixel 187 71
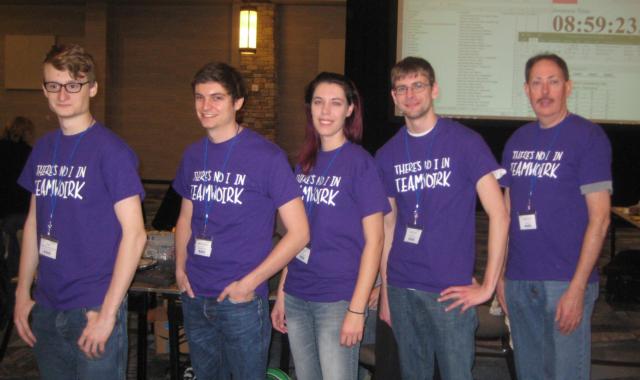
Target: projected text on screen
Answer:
pixel 479 48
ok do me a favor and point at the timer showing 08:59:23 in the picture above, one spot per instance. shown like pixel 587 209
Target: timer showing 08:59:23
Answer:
pixel 593 24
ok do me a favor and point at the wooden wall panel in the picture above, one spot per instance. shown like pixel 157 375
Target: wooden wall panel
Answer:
pixel 66 23
pixel 300 29
pixel 154 53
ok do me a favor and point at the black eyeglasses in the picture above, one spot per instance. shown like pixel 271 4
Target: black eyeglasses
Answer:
pixel 72 87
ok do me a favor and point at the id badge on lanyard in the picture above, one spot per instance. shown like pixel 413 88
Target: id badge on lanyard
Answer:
pixel 304 254
pixel 48 246
pixel 413 233
pixel 203 246
pixel 527 220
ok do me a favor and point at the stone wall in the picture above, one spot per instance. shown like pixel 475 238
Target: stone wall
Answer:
pixel 259 70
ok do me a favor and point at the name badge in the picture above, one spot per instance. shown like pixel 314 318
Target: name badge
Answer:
pixel 48 247
pixel 527 221
pixel 203 247
pixel 304 255
pixel 412 234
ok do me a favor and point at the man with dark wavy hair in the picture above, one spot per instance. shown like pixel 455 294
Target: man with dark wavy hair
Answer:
pixel 232 182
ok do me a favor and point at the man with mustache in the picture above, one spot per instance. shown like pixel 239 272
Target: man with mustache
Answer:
pixel 558 187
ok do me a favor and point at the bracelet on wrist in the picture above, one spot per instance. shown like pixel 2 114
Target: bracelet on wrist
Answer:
pixel 355 312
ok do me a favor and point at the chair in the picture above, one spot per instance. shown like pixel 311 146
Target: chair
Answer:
pixel 493 327
pixel 7 289
pixel 367 357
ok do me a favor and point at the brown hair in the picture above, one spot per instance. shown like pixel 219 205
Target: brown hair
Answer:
pixel 412 65
pixel 548 57
pixel 20 129
pixel 352 125
pixel 74 59
pixel 227 76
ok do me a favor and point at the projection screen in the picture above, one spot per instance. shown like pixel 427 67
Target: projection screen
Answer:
pixel 479 48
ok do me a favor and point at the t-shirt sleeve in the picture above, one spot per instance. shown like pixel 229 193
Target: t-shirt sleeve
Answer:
pixel 120 171
pixel 594 172
pixel 369 191
pixel 382 162
pixel 479 159
pixel 282 185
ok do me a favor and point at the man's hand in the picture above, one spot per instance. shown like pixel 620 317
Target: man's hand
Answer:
pixel 384 313
pixel 465 296
pixel 21 319
pixel 502 299
pixel 237 293
pixel 183 283
pixel 278 318
pixel 569 310
pixel 95 335
pixel 374 297
pixel 352 329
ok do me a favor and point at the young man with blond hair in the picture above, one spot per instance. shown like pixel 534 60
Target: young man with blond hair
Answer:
pixel 83 235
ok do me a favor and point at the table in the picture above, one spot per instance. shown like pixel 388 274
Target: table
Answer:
pixel 171 294
pixel 621 213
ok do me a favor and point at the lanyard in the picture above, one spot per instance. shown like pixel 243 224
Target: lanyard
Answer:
pixel 428 151
pixel 53 199
pixel 534 179
pixel 308 205
pixel 208 203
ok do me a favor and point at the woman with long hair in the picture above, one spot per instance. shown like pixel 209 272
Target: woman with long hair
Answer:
pixel 323 293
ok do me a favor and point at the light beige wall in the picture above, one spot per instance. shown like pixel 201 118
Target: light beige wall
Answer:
pixel 154 52
pixel 300 29
pixel 67 24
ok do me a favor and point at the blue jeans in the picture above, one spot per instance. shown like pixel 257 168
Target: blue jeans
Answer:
pixel 424 331
pixel 540 350
pixel 314 335
pixel 57 352
pixel 227 338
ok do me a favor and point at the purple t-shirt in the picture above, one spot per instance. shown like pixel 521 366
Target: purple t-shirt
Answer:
pixel 561 165
pixel 342 189
pixel 441 168
pixel 81 182
pixel 242 197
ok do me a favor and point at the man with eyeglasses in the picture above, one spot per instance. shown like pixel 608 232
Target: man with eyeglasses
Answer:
pixel 433 168
pixel 558 188
pixel 83 234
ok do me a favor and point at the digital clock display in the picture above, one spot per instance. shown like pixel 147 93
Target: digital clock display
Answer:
pixel 595 24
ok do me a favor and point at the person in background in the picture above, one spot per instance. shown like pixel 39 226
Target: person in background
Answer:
pixel 323 294
pixel 433 169
pixel 14 200
pixel 84 233
pixel 558 189
pixel 232 182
